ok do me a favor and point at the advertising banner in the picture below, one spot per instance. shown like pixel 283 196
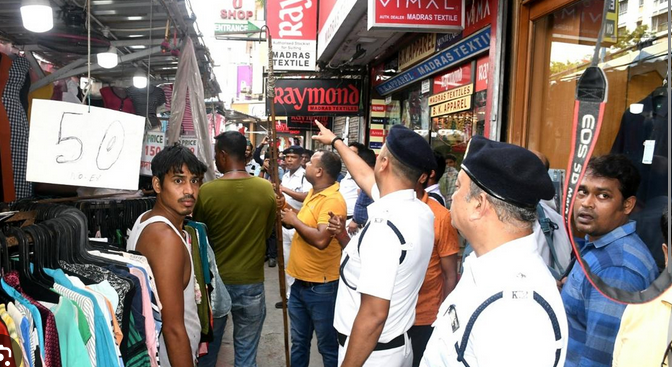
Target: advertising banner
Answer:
pixel 478 14
pixel 154 143
pixel 467 90
pixel 453 78
pixel 293 27
pixel 417 50
pixel 317 97
pixel 453 106
pixel 305 123
pixel 416 16
pixel 482 70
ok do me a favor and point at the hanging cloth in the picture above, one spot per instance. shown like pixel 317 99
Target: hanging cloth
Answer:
pixel 7 192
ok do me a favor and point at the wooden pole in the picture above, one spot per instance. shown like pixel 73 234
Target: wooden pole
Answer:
pixel 273 151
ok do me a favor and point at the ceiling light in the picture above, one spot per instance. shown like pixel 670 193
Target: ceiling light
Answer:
pixel 37 15
pixel 138 47
pixel 108 59
pixel 135 18
pixel 135 36
pixel 139 79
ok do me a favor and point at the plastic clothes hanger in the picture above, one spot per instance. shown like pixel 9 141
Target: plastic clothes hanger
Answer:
pixel 29 284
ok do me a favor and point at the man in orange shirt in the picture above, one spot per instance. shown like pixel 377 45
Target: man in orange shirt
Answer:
pixel 441 276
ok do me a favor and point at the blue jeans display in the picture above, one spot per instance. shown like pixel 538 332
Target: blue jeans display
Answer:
pixel 248 311
pixel 210 359
pixel 311 307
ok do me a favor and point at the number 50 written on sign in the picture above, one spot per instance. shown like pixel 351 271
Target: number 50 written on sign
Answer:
pixel 109 149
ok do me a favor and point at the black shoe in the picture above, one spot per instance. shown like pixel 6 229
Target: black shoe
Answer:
pixel 272 262
pixel 278 304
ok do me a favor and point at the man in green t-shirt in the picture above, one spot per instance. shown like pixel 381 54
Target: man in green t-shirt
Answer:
pixel 239 211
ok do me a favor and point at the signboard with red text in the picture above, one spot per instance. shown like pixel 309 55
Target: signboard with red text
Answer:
pixel 293 27
pixel 416 16
pixel 453 78
pixel 482 70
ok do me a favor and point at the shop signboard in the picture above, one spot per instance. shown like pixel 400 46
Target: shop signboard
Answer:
pixel 419 49
pixel 293 26
pixel 482 71
pixel 444 40
pixel 448 95
pixel 469 47
pixel 306 123
pixel 317 97
pixel 281 127
pixel 453 78
pixel 455 105
pixel 478 14
pixel 416 16
pixel 190 142
pixel 426 86
pixel 78 145
pixel 154 143
pixel 237 21
pixel 377 135
pixel 332 15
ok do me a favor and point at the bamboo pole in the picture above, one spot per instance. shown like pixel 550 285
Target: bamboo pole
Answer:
pixel 273 150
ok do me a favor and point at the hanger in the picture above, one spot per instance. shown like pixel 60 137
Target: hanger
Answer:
pixel 29 284
pixel 4 254
pixel 39 255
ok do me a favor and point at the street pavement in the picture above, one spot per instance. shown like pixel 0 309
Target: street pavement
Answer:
pixel 271 346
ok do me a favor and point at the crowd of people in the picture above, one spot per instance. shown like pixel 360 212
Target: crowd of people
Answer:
pixel 372 255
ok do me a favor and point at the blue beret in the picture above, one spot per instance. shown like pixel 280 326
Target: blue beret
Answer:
pixel 410 148
pixel 294 149
pixel 507 172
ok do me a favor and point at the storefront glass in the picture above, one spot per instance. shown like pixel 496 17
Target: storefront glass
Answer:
pixel 633 56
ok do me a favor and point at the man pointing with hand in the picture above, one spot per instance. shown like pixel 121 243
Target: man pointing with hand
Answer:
pixel 383 266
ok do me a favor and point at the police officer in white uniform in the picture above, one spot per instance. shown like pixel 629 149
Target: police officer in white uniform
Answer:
pixel 383 266
pixel 294 187
pixel 506 309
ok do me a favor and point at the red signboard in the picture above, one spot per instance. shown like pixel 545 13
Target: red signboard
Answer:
pixel 326 6
pixel 482 71
pixel 318 97
pixel 307 122
pixel 293 27
pixel 478 14
pixel 453 78
pixel 414 16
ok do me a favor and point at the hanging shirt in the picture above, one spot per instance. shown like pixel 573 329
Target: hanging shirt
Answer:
pixel 117 100
pixel 73 349
pixel 17 351
pixel 86 305
pixel 23 331
pixel 145 106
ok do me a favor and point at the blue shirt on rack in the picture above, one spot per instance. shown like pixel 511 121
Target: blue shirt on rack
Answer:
pixel 623 261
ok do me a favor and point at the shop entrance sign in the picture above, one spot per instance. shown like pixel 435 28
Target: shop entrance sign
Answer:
pixel 78 145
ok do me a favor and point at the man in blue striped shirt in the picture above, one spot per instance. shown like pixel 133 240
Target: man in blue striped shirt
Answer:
pixel 605 198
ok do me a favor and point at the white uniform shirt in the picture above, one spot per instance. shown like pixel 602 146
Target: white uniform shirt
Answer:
pixel 296 182
pixel 434 189
pixel 373 268
pixel 509 332
pixel 349 190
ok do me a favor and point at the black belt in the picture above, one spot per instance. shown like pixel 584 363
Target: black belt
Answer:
pixel 394 343
pixel 305 284
pixel 349 217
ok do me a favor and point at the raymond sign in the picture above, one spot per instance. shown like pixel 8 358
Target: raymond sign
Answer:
pixel 482 70
pixel 317 97
pixel 418 50
pixel 453 78
pixel 293 26
pixel 415 16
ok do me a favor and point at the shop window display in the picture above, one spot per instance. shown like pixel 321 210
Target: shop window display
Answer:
pixel 633 57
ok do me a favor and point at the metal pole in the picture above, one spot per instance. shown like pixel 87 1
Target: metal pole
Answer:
pixel 273 150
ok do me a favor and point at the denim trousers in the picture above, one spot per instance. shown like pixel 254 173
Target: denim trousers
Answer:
pixel 312 309
pixel 248 311
pixel 210 359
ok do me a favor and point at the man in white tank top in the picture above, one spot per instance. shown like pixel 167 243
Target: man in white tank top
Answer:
pixel 157 234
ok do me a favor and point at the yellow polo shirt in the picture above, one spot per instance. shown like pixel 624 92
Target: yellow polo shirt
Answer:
pixel 642 339
pixel 306 262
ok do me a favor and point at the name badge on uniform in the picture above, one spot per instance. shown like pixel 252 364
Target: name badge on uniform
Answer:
pixel 452 314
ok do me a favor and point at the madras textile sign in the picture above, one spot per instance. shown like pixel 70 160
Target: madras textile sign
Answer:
pixel 449 107
pixel 418 50
pixel 453 78
pixel 415 16
pixel 467 90
pixel 293 27
pixel 474 45
pixel 307 122
pixel 317 97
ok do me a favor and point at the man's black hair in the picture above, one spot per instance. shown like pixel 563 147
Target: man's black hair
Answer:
pixel 330 162
pixel 368 155
pixel 663 225
pixel 233 143
pixel 440 165
pixel 450 156
pixel 619 167
pixel 357 145
pixel 308 152
pixel 173 158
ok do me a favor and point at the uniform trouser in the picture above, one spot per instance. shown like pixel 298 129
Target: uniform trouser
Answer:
pixel 396 357
pixel 272 245
pixel 420 335
pixel 287 236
